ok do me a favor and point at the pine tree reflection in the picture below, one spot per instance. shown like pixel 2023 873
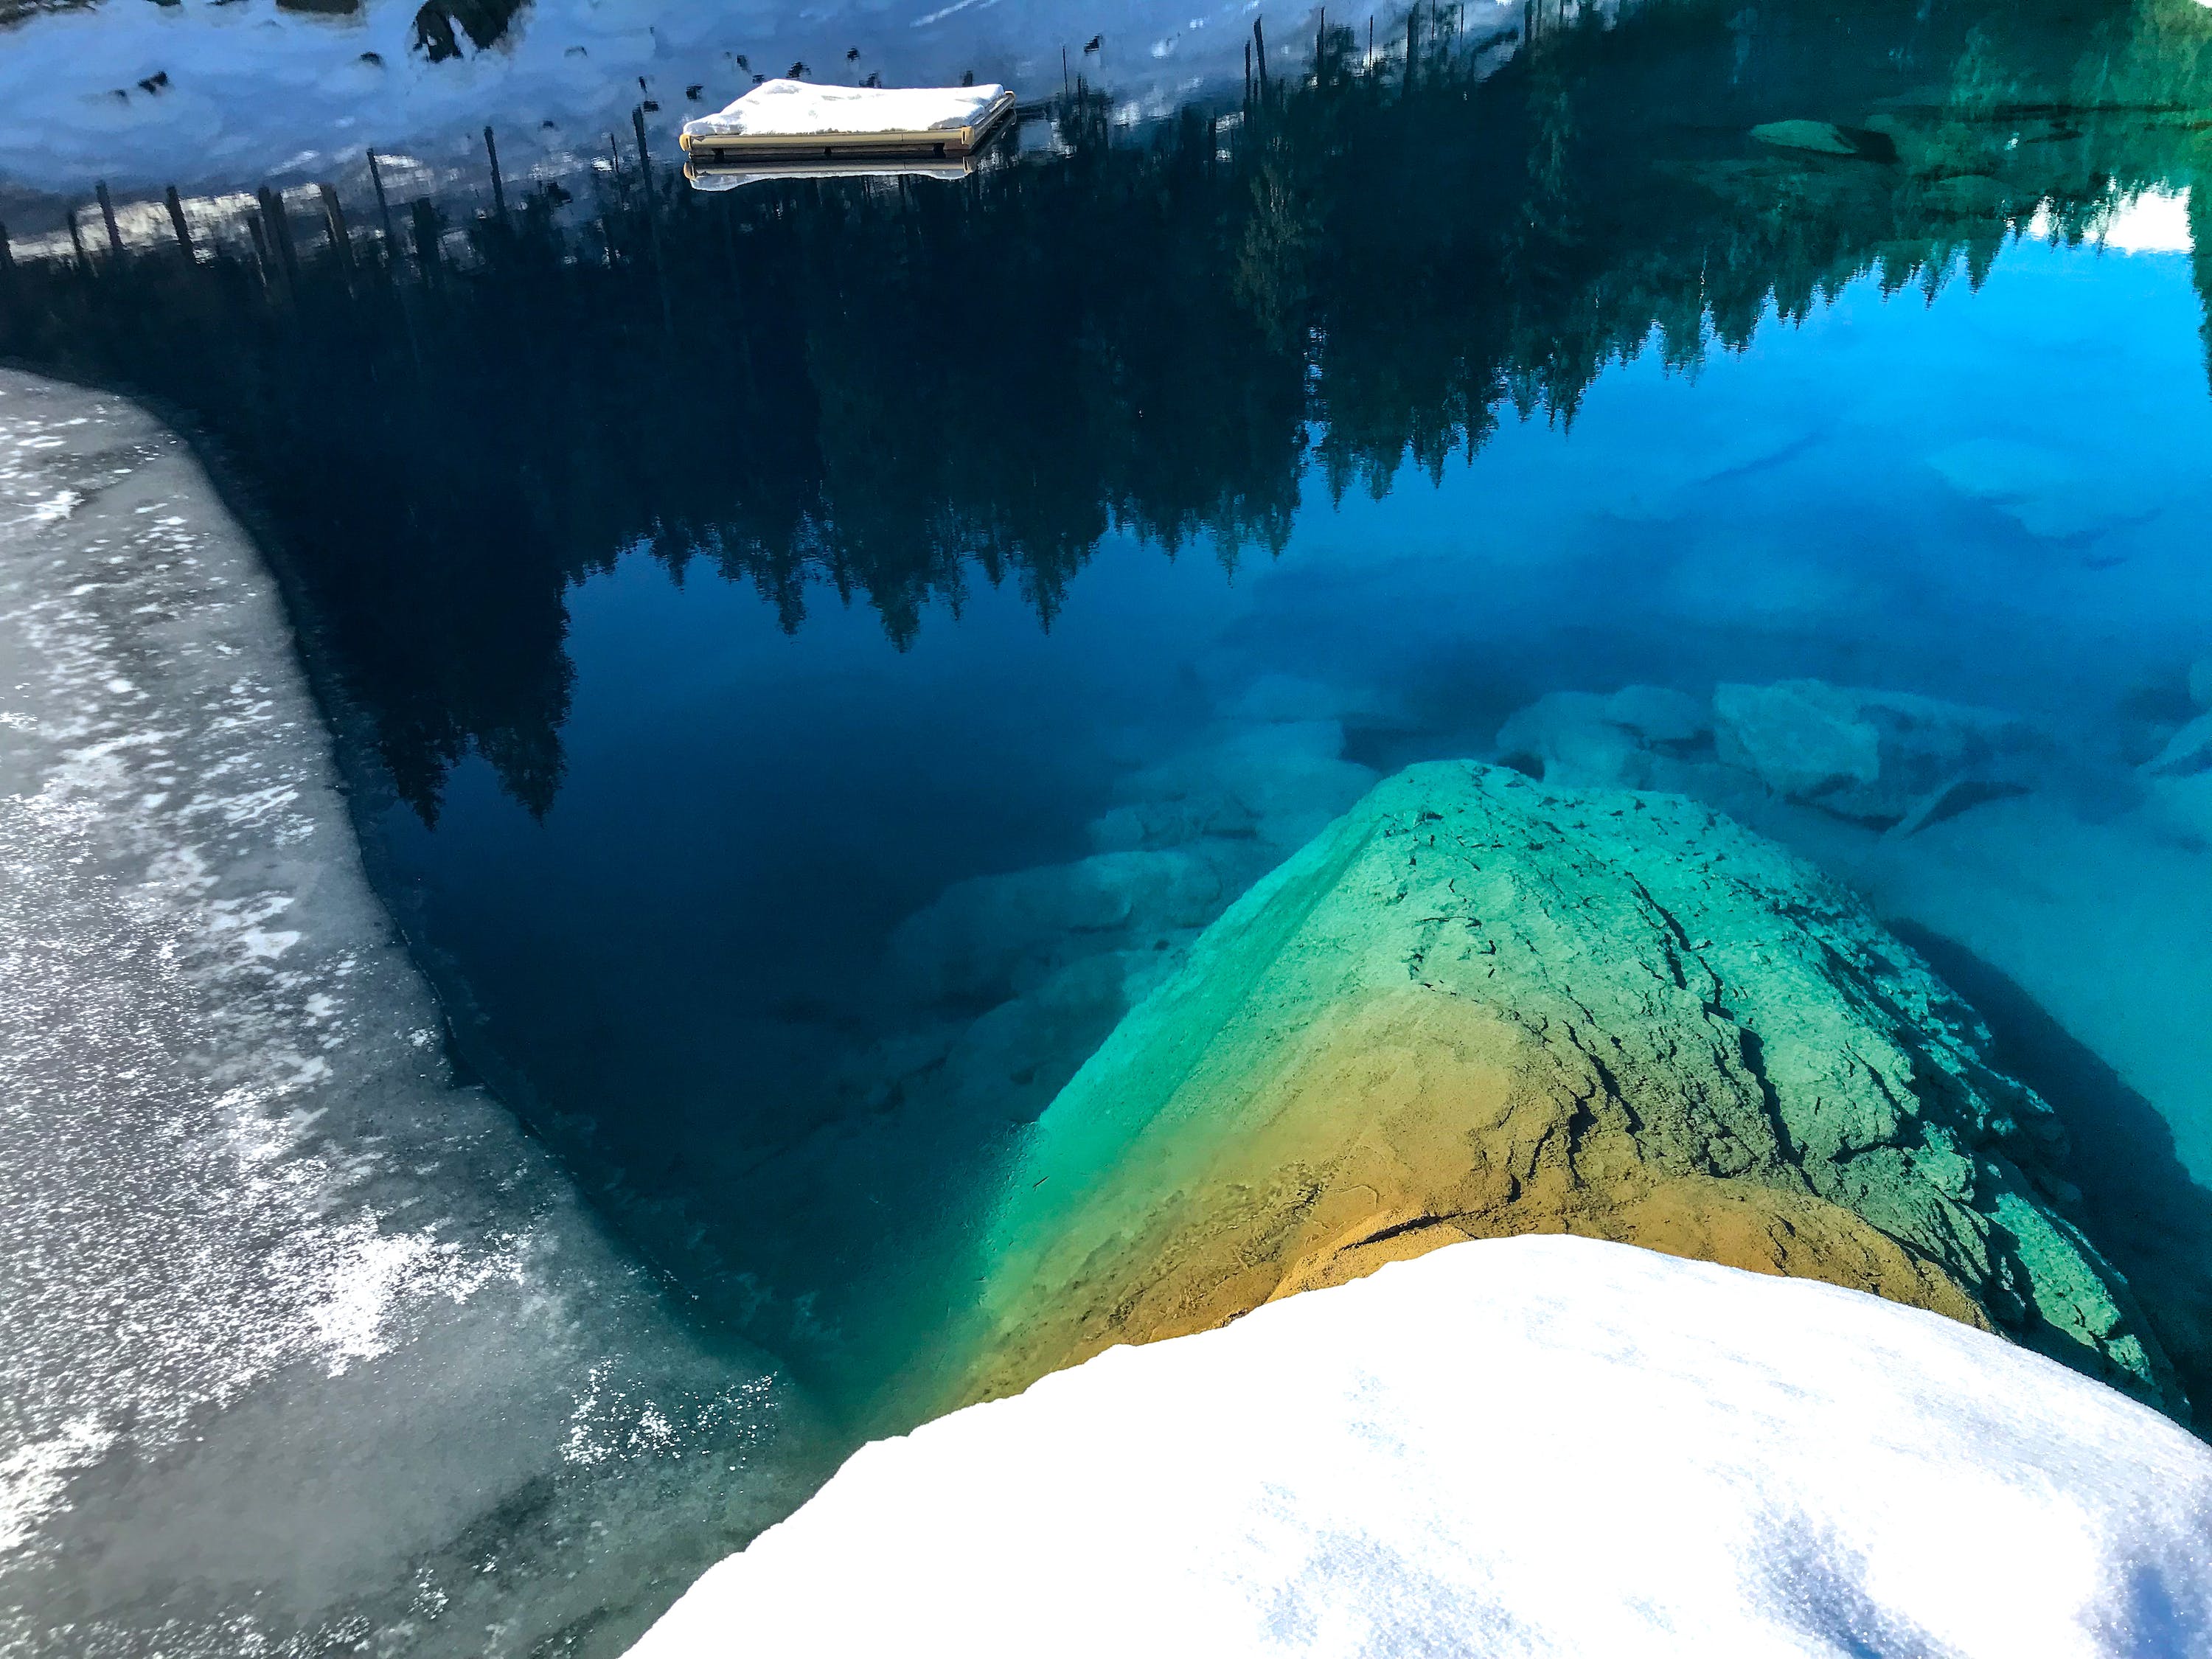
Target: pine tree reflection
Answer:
pixel 891 393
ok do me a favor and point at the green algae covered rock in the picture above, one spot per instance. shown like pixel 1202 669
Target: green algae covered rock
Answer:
pixel 1477 1006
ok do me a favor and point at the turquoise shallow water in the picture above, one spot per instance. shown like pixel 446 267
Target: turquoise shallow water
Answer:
pixel 772 636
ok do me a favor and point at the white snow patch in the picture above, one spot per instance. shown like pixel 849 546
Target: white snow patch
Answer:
pixel 797 109
pixel 1535 1446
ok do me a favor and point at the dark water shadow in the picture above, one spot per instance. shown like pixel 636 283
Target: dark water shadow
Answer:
pixel 2139 1204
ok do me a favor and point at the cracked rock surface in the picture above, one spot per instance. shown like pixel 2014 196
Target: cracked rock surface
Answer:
pixel 1479 1005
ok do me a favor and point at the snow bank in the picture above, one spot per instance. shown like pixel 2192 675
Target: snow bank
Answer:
pixel 301 1347
pixel 1541 1445
pixel 794 109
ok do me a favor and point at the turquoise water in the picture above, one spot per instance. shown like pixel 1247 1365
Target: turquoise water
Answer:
pixel 709 591
pixel 681 946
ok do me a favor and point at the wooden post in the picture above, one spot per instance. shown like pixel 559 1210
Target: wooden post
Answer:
pixel 107 212
pixel 498 190
pixel 383 206
pixel 253 225
pixel 334 221
pixel 1260 51
pixel 426 233
pixel 177 223
pixel 280 232
pixel 652 223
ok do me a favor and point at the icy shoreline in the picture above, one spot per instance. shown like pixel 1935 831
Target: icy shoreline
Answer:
pixel 298 1339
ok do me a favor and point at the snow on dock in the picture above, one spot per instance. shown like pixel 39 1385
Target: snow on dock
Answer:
pixel 796 119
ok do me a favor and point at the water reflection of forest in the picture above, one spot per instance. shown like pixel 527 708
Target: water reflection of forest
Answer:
pixel 893 393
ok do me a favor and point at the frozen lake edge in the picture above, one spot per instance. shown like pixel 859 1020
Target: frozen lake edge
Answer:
pixel 298 1338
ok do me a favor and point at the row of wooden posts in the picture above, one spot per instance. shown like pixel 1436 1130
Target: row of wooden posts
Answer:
pixel 279 224
pixel 1255 78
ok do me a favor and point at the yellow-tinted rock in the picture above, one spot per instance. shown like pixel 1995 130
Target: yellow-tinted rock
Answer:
pixel 1476 1007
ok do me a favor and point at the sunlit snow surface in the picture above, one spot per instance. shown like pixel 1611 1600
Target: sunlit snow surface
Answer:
pixel 298 1341
pixel 1536 1446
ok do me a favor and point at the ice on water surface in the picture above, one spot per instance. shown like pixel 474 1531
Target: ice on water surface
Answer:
pixel 299 1340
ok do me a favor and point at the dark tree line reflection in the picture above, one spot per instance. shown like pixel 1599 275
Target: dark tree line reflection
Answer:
pixel 891 393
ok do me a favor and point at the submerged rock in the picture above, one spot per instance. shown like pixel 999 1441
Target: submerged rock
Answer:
pixel 1877 757
pixel 2179 780
pixel 1477 1005
pixel 1540 1447
pixel 1581 737
pixel 2048 493
pixel 2186 752
pixel 1827 138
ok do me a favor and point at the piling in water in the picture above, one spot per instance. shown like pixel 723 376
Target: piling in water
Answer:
pixel 498 189
pixel 108 212
pixel 254 228
pixel 383 205
pixel 280 232
pixel 177 221
pixel 334 221
pixel 426 234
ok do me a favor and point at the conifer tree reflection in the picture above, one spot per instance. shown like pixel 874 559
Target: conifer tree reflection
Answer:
pixel 887 395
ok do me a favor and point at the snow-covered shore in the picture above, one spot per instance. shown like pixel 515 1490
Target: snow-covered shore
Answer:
pixel 1530 1446
pixel 298 1339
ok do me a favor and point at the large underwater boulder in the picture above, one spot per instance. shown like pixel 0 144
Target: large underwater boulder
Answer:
pixel 1827 138
pixel 1537 1447
pixel 1615 741
pixel 1880 757
pixel 1477 1006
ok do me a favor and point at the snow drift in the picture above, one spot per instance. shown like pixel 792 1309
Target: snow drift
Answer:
pixel 1539 1445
